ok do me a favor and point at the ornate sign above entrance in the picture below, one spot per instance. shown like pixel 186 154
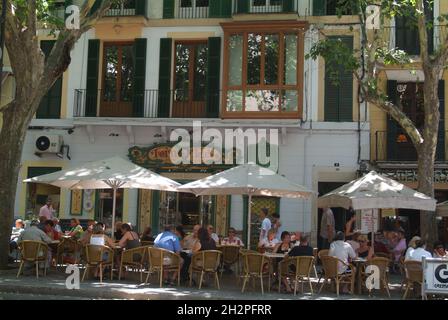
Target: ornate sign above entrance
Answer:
pixel 157 158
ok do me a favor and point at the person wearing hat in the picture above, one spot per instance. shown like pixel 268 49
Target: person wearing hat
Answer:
pixel 412 245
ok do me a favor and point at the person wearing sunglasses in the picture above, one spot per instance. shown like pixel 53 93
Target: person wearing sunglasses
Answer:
pixel 364 251
pixel 232 239
pixel 439 250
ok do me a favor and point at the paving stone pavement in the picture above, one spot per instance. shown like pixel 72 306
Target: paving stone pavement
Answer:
pixel 54 285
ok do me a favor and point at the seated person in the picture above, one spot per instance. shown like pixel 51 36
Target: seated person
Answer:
pixel 129 239
pixel 98 238
pixel 341 250
pixel 271 241
pixel 16 231
pixel 50 231
pixel 303 249
pixel 33 233
pixel 118 233
pixel 41 224
pixel 85 238
pixel 57 226
pixel 400 246
pixel 213 235
pixel 419 252
pixel 285 245
pixel 232 239
pixel 364 251
pixel 205 241
pixel 439 250
pixel 76 230
pixel 191 239
pixel 169 241
pixel 147 235
pixel 353 241
pixel 411 247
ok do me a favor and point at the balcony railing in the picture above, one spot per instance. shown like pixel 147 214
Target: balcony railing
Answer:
pixel 174 103
pixel 188 11
pixel 401 150
pixel 265 6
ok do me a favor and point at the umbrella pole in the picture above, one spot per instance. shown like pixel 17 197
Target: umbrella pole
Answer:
pixel 114 204
pixel 248 220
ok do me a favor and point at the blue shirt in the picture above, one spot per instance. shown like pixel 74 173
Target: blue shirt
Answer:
pixel 167 240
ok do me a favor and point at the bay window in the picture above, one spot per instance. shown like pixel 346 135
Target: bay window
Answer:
pixel 263 70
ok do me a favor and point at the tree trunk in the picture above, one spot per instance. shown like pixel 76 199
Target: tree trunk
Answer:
pixel 427 153
pixel 12 136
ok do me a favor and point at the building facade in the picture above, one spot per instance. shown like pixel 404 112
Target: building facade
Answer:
pixel 150 67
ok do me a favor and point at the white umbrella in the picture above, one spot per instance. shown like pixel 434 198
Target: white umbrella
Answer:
pixel 113 173
pixel 374 191
pixel 247 179
pixel 442 209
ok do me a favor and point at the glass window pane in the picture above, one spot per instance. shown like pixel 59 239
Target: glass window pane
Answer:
pixel 201 3
pixel 290 100
pixel 235 100
pixel 259 2
pixel 262 100
pixel 186 3
pixel 200 67
pixel 253 58
pixel 271 60
pixel 110 84
pixel 235 60
pixel 290 70
pixel 127 73
pixel 182 80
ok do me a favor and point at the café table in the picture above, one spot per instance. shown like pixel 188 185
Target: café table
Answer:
pixel 359 264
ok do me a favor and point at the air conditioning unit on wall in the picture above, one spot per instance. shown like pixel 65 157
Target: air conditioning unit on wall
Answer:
pixel 49 144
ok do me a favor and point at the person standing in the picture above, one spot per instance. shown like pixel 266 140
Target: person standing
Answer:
pixel 276 224
pixel 327 227
pixel 265 226
pixel 47 210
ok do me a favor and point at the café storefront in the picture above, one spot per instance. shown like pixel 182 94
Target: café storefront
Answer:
pixel 158 208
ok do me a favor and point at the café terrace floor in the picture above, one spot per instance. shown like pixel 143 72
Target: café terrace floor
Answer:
pixel 28 287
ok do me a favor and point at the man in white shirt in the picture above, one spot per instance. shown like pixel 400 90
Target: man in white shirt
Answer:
pixel 47 210
pixel 265 225
pixel 418 253
pixel 341 250
pixel 212 234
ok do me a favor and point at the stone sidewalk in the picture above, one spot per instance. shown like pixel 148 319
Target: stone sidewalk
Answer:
pixel 54 285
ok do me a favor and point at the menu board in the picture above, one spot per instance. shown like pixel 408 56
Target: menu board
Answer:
pixel 369 220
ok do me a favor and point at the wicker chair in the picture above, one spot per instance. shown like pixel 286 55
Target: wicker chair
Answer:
pixel 33 252
pixel 134 258
pixel 230 256
pixel 68 246
pixel 296 268
pixel 330 268
pixel 320 254
pixel 161 260
pixel 383 265
pixel 255 266
pixel 147 243
pixel 414 274
pixel 204 262
pixel 95 258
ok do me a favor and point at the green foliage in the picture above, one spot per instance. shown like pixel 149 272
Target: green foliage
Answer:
pixel 393 56
pixel 336 55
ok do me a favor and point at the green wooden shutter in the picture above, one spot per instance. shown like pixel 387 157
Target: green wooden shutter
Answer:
pixel 440 153
pixel 288 6
pixel 429 12
pixel 339 97
pixel 220 8
pixel 141 8
pixel 165 77
pixel 139 77
pixel 242 6
pixel 319 7
pixel 213 76
pixel 40 171
pixel 93 61
pixel 168 9
pixel 50 105
pixel 392 125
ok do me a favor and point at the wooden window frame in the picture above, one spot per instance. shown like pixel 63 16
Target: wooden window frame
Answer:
pixel 119 44
pixel 274 27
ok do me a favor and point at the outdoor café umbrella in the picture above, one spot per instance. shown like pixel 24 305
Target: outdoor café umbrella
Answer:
pixel 247 179
pixel 113 173
pixel 374 191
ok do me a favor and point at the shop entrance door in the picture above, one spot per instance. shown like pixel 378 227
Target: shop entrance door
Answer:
pixel 104 208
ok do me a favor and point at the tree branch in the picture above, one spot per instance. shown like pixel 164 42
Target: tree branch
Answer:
pixel 422 31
